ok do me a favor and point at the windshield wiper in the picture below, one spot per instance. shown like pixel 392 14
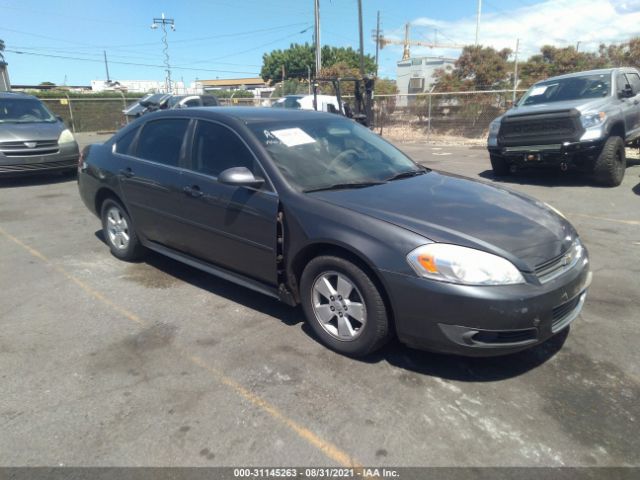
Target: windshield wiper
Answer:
pixel 339 186
pixel 410 173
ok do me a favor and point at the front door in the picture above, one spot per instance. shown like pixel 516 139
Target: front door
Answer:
pixel 232 227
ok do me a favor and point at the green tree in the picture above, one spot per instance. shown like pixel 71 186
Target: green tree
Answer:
pixel 232 93
pixel 625 54
pixel 477 68
pixel 298 59
pixel 553 61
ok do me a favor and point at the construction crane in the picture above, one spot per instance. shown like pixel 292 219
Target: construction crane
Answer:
pixel 406 43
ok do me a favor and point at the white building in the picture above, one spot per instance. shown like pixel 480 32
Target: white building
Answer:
pixel 145 86
pixel 416 75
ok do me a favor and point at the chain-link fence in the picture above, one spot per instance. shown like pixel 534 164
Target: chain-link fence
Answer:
pixel 405 117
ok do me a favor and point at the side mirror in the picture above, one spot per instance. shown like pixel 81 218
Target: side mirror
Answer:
pixel 626 92
pixel 240 177
pixel 60 119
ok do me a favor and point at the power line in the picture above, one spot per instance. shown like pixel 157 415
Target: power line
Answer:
pixel 19 52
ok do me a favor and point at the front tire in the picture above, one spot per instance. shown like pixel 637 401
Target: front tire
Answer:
pixel 344 306
pixel 499 165
pixel 611 163
pixel 119 232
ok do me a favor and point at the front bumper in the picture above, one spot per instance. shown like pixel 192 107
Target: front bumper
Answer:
pixel 484 320
pixel 579 154
pixel 65 159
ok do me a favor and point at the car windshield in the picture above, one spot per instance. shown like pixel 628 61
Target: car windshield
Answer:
pixel 21 110
pixel 326 153
pixel 572 88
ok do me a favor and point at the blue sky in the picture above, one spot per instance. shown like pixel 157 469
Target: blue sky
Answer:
pixel 226 38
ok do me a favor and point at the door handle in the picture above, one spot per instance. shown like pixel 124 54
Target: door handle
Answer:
pixel 193 191
pixel 126 172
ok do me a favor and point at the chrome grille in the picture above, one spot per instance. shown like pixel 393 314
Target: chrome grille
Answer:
pixel 555 267
pixel 27 148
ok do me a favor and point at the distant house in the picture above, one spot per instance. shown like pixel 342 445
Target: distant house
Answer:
pixel 257 86
pixel 416 75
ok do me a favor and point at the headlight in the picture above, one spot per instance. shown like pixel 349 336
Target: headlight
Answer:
pixel 589 120
pixel 66 136
pixel 494 127
pixel 455 264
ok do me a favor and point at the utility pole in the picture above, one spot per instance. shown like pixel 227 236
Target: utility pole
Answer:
pixel 317 37
pixel 377 40
pixel 361 38
pixel 578 46
pixel 478 21
pixel 106 66
pixel 515 71
pixel 309 77
pixel 163 22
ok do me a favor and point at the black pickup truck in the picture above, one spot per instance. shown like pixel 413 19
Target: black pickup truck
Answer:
pixel 580 121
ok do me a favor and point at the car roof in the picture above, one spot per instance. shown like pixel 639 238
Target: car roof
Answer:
pixel 600 71
pixel 246 114
pixel 16 95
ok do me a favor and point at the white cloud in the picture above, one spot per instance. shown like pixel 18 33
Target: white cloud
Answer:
pixel 555 22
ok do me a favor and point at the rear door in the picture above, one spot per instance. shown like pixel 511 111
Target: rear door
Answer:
pixel 151 180
pixel 233 227
pixel 634 105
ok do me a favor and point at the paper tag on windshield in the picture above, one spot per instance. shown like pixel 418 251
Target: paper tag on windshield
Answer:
pixel 538 91
pixel 292 136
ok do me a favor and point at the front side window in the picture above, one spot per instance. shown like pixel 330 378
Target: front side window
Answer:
pixel 216 148
pixel 324 152
pixel 161 140
pixel 24 110
pixel 572 88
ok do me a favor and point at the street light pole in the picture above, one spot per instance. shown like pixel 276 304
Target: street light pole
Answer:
pixel 163 22
pixel 317 37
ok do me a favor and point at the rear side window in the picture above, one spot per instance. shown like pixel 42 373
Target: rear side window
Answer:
pixel 634 81
pixel 209 101
pixel 123 144
pixel 194 102
pixel 161 140
pixel 216 148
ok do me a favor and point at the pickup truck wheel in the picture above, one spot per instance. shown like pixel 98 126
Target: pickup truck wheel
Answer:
pixel 610 165
pixel 499 165
pixel 343 306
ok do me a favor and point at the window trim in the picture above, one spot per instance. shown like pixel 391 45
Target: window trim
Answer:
pixel 190 159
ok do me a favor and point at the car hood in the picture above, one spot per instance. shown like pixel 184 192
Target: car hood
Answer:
pixel 584 105
pixel 15 132
pixel 450 209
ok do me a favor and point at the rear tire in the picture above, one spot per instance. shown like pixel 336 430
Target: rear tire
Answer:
pixel 119 231
pixel 499 165
pixel 610 165
pixel 343 306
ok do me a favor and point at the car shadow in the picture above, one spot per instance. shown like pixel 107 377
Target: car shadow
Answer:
pixel 636 189
pixel 450 367
pixel 543 178
pixel 37 179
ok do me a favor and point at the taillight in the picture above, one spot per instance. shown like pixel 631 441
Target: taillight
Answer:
pixel 82 157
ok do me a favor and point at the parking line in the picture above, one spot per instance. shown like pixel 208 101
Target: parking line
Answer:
pixel 626 222
pixel 330 450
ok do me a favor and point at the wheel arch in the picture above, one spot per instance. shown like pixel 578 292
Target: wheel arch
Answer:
pixel 316 249
pixel 617 130
pixel 102 195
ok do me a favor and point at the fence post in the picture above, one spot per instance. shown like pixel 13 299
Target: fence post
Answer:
pixel 429 125
pixel 73 123
pixel 124 107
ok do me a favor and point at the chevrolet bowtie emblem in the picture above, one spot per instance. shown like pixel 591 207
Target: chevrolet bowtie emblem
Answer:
pixel 30 144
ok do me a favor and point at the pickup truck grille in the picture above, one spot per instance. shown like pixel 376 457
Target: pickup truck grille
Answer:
pixel 540 129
